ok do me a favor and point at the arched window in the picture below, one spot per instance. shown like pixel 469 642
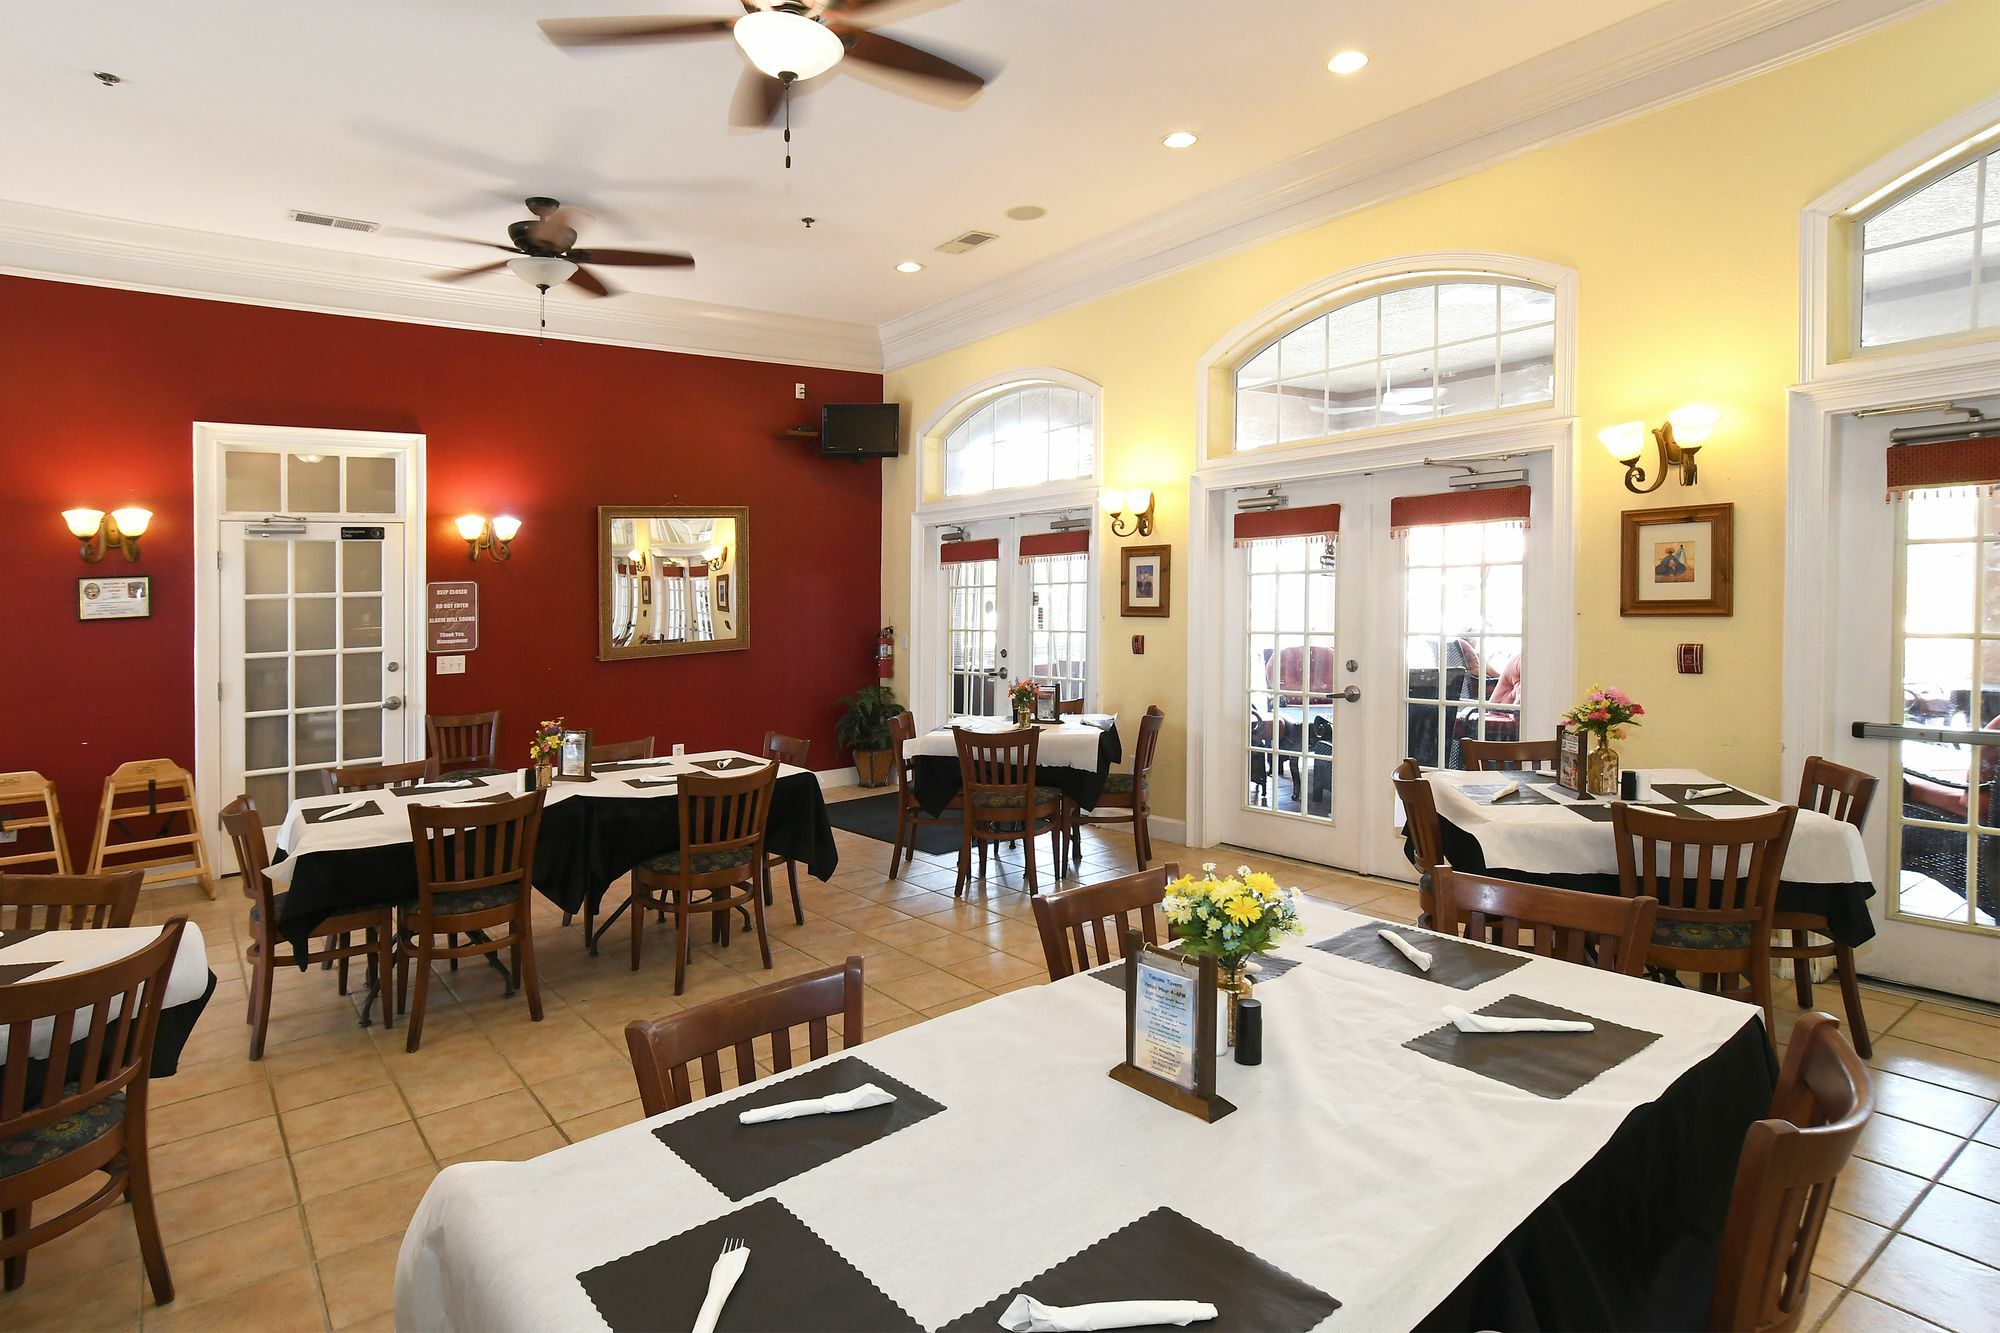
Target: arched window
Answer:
pixel 1429 347
pixel 1928 257
pixel 1026 435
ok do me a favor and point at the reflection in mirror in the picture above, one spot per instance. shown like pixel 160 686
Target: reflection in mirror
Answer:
pixel 670 581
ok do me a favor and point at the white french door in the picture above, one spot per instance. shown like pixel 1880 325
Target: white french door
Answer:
pixel 1014 599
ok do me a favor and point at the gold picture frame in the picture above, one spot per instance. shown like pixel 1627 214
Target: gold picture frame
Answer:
pixel 1145 580
pixel 1677 562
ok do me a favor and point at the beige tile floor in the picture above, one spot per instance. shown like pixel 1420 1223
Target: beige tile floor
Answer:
pixel 285 1185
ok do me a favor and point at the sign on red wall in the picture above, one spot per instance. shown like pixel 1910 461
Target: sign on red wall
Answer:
pixel 451 617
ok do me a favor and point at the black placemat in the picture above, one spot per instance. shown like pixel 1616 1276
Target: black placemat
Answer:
pixel 1525 795
pixel 620 765
pixel 1548 1064
pixel 1591 810
pixel 1270 969
pixel 442 788
pixel 12 972
pixel 333 814
pixel 646 784
pixel 1454 963
pixel 728 764
pixel 742 1159
pixel 13 936
pixel 794 1280
pixel 1165 1256
pixel 1678 793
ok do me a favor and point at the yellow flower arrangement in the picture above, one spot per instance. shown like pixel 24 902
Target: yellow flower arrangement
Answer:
pixel 1231 916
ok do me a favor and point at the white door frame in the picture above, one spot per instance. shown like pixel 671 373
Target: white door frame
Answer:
pixel 210 438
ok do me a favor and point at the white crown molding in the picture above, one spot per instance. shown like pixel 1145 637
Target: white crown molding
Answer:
pixel 49 243
pixel 1664 55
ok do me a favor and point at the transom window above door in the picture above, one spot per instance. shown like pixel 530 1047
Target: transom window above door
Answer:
pixel 1928 261
pixel 1429 348
pixel 1028 435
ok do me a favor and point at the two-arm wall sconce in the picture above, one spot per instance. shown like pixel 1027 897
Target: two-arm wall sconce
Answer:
pixel 717 557
pixel 495 536
pixel 1130 512
pixel 1679 439
pixel 98 531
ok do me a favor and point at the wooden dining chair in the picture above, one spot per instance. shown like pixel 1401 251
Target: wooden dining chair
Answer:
pixel 1071 920
pixel 1003 801
pixel 785 750
pixel 55 1132
pixel 663 1049
pixel 475 874
pixel 384 777
pixel 1591 929
pixel 910 815
pixel 720 857
pixel 150 812
pixel 369 933
pixel 463 740
pixel 1785 1179
pixel 1717 885
pixel 28 804
pixel 613 751
pixel 1129 796
pixel 68 902
pixel 1509 756
pixel 1070 707
pixel 1840 793
pixel 1420 826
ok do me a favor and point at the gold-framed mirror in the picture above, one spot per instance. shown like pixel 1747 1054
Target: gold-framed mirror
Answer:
pixel 670 580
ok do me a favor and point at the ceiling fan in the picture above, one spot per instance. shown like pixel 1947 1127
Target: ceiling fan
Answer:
pixel 545 253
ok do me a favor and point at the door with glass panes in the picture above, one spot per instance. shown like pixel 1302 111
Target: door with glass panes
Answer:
pixel 1016 600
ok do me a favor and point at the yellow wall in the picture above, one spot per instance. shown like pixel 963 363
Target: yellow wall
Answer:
pixel 1683 227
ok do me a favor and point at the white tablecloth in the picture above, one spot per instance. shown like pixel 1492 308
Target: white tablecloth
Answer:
pixel 80 950
pixel 1361 1167
pixel 1071 743
pixel 1540 839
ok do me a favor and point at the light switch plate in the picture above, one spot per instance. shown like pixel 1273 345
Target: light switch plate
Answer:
pixel 452 665
pixel 680 748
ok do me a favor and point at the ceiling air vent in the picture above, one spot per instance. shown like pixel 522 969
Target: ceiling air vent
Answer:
pixel 338 224
pixel 970 240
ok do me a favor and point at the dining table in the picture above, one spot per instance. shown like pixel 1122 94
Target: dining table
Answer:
pixel 44 955
pixel 1074 755
pixel 1543 833
pixel 353 851
pixel 1380 1170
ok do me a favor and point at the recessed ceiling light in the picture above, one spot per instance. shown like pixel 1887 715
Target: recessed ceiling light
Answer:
pixel 1027 212
pixel 909 266
pixel 1347 62
pixel 1179 139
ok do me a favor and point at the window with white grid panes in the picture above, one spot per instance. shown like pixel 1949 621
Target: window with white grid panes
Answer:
pixel 676 597
pixel 1447 348
pixel 1927 264
pixel 1059 627
pixel 1462 625
pixel 1289 618
pixel 1945 832
pixel 978 686
pixel 704 618
pixel 1025 437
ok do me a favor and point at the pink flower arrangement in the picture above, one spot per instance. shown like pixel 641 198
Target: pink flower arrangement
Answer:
pixel 1605 713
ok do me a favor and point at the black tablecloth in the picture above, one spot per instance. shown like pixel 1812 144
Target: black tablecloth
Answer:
pixel 937 778
pixel 585 844
pixel 1629 1241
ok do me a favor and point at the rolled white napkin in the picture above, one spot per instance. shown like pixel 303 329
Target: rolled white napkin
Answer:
pixel 729 1266
pixel 1696 793
pixel 868 1094
pixel 444 784
pixel 1467 1021
pixel 1025 1314
pixel 1509 790
pixel 339 810
pixel 1418 958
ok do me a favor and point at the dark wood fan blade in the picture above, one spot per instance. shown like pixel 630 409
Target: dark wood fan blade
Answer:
pixel 630 31
pixel 413 234
pixel 633 258
pixel 754 105
pixel 586 280
pixel 464 273
pixel 878 49
pixel 849 8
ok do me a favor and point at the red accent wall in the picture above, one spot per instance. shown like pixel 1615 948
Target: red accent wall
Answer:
pixel 101 389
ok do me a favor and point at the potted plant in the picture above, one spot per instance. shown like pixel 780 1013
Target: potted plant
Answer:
pixel 864 729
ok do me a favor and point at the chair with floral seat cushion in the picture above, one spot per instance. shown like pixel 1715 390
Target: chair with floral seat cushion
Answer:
pixel 910 814
pixel 1070 921
pixel 1716 881
pixel 719 865
pixel 72 902
pixel 1845 794
pixel 1509 756
pixel 1423 835
pixel 1588 929
pixel 1003 801
pixel 791 750
pixel 98 1025
pixel 465 744
pixel 1128 797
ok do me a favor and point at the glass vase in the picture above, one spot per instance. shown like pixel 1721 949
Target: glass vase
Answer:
pixel 1232 978
pixel 1602 775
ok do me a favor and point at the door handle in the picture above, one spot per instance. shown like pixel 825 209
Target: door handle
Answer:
pixel 392 703
pixel 1352 694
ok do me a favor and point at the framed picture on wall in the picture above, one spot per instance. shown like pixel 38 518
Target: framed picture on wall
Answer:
pixel 722 592
pixel 1145 584
pixel 645 592
pixel 129 597
pixel 1677 562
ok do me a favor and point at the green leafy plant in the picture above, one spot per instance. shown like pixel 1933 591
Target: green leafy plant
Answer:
pixel 865 724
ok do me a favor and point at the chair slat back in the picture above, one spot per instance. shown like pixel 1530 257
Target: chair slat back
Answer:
pixel 665 1051
pixel 903 730
pixel 720 814
pixel 997 761
pixel 118 1008
pixel 1720 871
pixel 68 902
pixel 1072 920
pixel 1420 821
pixel 613 751
pixel 463 740
pixel 1069 707
pixel 245 831
pixel 28 804
pixel 1837 790
pixel 1148 746
pixel 384 777
pixel 786 749
pixel 1545 921
pixel 1509 756
pixel 1785 1179
pixel 474 846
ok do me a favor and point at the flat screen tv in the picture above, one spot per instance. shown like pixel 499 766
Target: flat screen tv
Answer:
pixel 860 430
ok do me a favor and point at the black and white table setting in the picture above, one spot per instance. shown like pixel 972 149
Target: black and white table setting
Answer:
pixel 1382 1170
pixel 343 853
pixel 1540 833
pixel 44 955
pixel 1074 756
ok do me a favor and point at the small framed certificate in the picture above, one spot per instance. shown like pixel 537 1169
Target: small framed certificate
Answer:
pixel 127 598
pixel 1170 1029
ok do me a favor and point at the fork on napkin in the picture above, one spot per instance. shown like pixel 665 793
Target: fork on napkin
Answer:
pixel 854 1099
pixel 1467 1021
pixel 729 1266
pixel 1025 1314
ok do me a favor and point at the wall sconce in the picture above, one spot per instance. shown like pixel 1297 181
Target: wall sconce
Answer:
pixel 495 536
pixel 717 557
pixel 97 530
pixel 1679 438
pixel 1130 512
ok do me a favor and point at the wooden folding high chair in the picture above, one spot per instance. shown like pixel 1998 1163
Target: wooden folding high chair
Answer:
pixel 28 802
pixel 121 831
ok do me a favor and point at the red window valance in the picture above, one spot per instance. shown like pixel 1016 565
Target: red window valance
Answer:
pixel 1315 522
pixel 678 572
pixel 1055 543
pixel 964 553
pixel 1923 467
pixel 1501 505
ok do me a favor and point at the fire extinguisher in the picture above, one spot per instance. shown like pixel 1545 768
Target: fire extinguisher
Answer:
pixel 885 652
